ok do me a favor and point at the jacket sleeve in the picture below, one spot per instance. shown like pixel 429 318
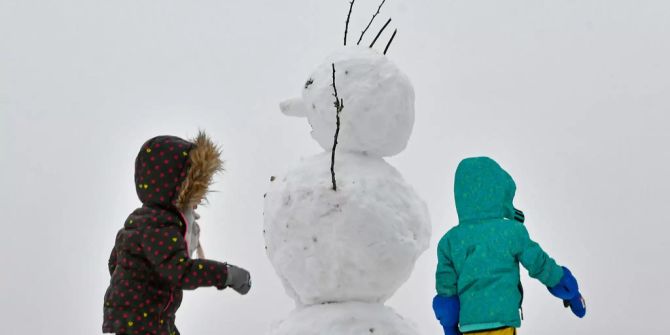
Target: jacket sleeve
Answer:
pixel 166 251
pixel 446 280
pixel 111 263
pixel 538 263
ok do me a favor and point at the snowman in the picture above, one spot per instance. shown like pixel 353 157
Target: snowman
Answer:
pixel 342 228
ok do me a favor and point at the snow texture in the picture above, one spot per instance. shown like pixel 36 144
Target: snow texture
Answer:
pixel 357 243
pixel 344 318
pixel 378 113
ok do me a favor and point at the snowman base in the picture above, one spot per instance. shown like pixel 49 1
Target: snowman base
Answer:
pixel 347 318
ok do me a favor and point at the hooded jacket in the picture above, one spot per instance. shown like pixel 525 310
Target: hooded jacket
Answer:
pixel 150 264
pixel 478 260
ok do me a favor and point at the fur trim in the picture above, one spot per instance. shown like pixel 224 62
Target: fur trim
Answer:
pixel 205 159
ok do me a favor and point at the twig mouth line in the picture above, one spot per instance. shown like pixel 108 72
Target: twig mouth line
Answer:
pixel 339 105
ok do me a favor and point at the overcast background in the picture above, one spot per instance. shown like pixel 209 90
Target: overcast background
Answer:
pixel 571 97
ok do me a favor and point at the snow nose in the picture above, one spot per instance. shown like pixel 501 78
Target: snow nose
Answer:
pixel 293 107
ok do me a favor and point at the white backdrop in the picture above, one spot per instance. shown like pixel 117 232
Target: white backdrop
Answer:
pixel 571 97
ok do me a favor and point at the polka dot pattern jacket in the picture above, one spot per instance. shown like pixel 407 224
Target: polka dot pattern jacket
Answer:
pixel 149 264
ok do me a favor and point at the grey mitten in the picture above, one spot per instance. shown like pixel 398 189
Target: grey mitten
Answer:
pixel 238 279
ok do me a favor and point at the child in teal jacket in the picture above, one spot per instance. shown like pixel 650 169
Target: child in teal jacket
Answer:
pixel 477 277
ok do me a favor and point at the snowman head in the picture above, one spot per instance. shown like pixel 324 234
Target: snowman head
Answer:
pixel 378 103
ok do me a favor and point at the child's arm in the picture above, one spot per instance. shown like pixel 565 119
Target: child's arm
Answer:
pixel 446 304
pixel 538 263
pixel 111 263
pixel 169 257
pixel 558 280
pixel 445 275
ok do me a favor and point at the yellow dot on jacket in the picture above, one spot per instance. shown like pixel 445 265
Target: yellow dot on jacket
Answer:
pixel 181 260
pixel 130 323
pixel 200 266
pixel 131 221
pixel 145 314
pixel 149 150
pixel 161 321
pixel 146 186
pixel 174 239
pixel 185 153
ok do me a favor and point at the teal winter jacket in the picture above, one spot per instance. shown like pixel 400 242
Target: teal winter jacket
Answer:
pixel 478 260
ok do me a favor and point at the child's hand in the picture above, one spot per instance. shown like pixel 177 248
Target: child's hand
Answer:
pixel 451 330
pixel 577 305
pixel 238 279
pixel 201 252
pixel 447 310
pixel 568 290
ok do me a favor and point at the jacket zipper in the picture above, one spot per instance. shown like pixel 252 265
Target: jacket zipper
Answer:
pixel 169 301
pixel 160 315
pixel 521 301
pixel 171 289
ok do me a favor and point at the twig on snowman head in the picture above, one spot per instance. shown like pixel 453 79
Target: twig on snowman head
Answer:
pixel 339 105
pixel 346 26
pixel 369 23
pixel 380 32
pixel 390 41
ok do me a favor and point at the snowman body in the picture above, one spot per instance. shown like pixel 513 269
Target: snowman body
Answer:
pixel 341 254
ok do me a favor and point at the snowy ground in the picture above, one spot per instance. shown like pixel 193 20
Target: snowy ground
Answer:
pixel 571 97
pixel 345 318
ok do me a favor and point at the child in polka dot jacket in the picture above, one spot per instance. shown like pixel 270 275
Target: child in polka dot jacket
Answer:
pixel 151 262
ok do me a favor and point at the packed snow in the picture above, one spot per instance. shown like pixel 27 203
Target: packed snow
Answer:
pixel 341 253
pixel 378 99
pixel 344 318
pixel 359 243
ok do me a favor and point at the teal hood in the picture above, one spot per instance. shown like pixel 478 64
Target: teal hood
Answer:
pixel 483 190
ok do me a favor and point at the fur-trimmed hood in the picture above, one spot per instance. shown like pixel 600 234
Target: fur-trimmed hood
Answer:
pixel 173 172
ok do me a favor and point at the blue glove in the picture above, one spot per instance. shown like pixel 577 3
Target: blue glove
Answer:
pixel 447 310
pixel 568 290
pixel 577 305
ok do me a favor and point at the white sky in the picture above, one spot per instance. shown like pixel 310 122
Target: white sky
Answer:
pixel 571 97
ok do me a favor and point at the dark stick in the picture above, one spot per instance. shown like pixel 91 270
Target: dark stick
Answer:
pixel 346 26
pixel 339 104
pixel 380 32
pixel 391 40
pixel 369 23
